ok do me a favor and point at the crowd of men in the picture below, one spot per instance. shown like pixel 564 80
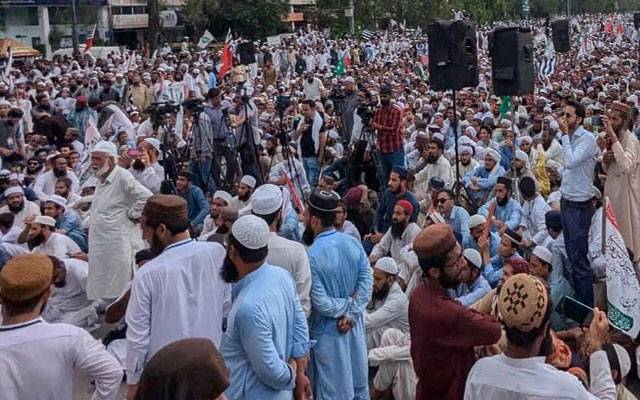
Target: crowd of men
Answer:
pixel 318 224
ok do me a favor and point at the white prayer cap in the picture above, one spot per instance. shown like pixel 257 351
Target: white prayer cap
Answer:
pixel 471 131
pixel 474 257
pixel 623 359
pixel 526 138
pixel 153 142
pixel 13 190
pixel 542 253
pixel 16 177
pixel 250 231
pixel 465 148
pixel 388 265
pixel 266 200
pixel 45 220
pixel 59 200
pixel 476 220
pixel 249 181
pixel 522 156
pixel 438 136
pixel 106 147
pixel 221 194
pixel 493 154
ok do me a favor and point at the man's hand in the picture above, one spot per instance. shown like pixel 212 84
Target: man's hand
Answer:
pixel 303 389
pixel 124 161
pixel 5 152
pixel 80 256
pixel 344 324
pixel 144 157
pixel 483 244
pixel 30 220
pixel 294 366
pixel 562 124
pixel 608 157
pixel 375 125
pixel 372 259
pixel 131 391
pixel 611 135
pixel 599 329
pixel 497 223
pixel 375 237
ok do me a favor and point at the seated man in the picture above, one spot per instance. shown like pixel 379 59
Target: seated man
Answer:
pixel 401 233
pixel 245 188
pixel 197 206
pixel 477 225
pixel 534 208
pixel 436 165
pixel 389 304
pixel 397 190
pixel 343 224
pixel 41 236
pixel 63 189
pixel 10 232
pixel 225 219
pixel 68 222
pixel 507 212
pixel 68 302
pixel 220 199
pixel 454 215
pixel 480 181
pixel 508 249
pixel 20 207
pixel 473 286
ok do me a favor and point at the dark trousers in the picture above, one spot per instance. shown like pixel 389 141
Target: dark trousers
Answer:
pixel 576 220
pixel 222 150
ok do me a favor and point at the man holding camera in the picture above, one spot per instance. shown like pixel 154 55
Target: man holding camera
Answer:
pixel 143 164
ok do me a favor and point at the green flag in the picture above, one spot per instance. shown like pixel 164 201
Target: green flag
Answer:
pixel 339 70
pixel 505 107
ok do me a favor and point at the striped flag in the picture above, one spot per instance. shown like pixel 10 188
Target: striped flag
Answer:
pixel 367 35
pixel 89 42
pixel 546 68
pixel 227 57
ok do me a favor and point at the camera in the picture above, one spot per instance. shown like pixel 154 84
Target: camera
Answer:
pixel 194 106
pixel 159 110
pixel 365 113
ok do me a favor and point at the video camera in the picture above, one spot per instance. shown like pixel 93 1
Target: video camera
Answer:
pixel 194 106
pixel 159 110
pixel 365 113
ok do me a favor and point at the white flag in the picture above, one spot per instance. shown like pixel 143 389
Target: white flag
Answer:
pixel 91 137
pixel 206 38
pixel 623 288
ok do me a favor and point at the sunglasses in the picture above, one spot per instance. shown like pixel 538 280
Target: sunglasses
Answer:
pixel 442 201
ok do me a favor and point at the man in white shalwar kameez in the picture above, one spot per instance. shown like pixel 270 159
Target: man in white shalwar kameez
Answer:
pixel 180 293
pixel 114 236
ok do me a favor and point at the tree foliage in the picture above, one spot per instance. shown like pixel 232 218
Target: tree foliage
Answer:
pixel 249 17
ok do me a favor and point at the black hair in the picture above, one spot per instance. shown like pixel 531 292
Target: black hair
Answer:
pixel 15 113
pixel 6 220
pixel 579 107
pixel 20 307
pixel 310 103
pixel 269 218
pixel 186 175
pixel 526 339
pixel 449 193
pixel 327 218
pixel 174 225
pixel 65 180
pixel 246 254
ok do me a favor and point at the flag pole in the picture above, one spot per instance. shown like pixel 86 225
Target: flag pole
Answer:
pixel 604 225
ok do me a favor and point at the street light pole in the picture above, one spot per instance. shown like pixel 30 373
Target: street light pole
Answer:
pixel 351 17
pixel 74 28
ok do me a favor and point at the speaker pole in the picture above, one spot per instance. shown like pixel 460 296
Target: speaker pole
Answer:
pixel 455 136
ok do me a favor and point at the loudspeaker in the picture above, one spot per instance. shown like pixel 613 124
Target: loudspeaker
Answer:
pixel 247 53
pixel 560 33
pixel 636 20
pixel 453 55
pixel 511 52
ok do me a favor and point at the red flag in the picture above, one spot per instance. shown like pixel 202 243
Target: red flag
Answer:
pixel 294 193
pixel 89 42
pixel 227 56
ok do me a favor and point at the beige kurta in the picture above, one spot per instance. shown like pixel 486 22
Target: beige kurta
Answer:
pixel 623 189
pixel 113 237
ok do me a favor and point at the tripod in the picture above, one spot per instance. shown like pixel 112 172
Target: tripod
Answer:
pixel 169 151
pixel 248 149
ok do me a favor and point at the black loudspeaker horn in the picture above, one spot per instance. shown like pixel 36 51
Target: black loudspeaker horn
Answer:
pixel 636 20
pixel 247 53
pixel 561 34
pixel 453 55
pixel 511 52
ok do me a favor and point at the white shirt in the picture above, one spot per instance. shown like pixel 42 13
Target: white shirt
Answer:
pixel 150 177
pixel 72 296
pixel 441 168
pixel 45 184
pixel 37 361
pixel 58 245
pixel 533 213
pixel 238 204
pixel 30 208
pixel 392 312
pixel 292 256
pixel 389 244
pixel 179 294
pixel 313 90
pixel 504 378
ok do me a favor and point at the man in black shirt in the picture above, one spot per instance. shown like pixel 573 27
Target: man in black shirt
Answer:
pixel 311 139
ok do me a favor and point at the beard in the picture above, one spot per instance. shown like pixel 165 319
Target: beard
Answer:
pixel 16 209
pixel 546 348
pixel 155 247
pixel 308 235
pixel 102 171
pixel 245 196
pixel 385 102
pixel 502 202
pixel 223 229
pixel 431 159
pixel 36 240
pixel 33 170
pixel 465 163
pixel 137 165
pixel 59 174
pixel 382 293
pixel 446 282
pixel 397 228
pixel 229 272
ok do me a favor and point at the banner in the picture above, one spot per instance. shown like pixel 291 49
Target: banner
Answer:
pixel 206 38
pixel 91 137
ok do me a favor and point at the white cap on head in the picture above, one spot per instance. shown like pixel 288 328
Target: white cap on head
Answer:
pixel 108 148
pixel 153 142
pixel 45 220
pixel 526 138
pixel 250 231
pixel 542 253
pixel 522 156
pixel 476 220
pixel 388 265
pixel 13 190
pixel 495 156
pixel 249 181
pixel 266 199
pixel 59 200
pixel 221 194
pixel 623 359
pixel 474 257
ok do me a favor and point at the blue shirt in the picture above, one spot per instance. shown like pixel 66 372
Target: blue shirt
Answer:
pixel 72 224
pixel 387 203
pixel 213 80
pixel 510 213
pixel 266 327
pixel 197 205
pixel 290 228
pixel 486 182
pixel 341 285
pixel 494 243
pixel 493 271
pixel 459 221
pixel 580 156
pixel 469 294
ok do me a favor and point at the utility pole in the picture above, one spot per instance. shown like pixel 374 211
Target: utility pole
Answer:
pixel 352 23
pixel 74 28
pixel 568 8
pixel 154 23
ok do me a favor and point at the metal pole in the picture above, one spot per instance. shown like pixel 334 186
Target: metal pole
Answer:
pixel 74 28
pixel 568 8
pixel 351 17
